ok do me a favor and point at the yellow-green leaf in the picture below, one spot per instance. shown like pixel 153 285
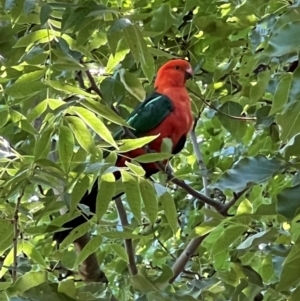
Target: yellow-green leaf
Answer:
pixel 65 146
pixel 133 196
pixel 82 134
pixel 95 124
pixel 105 193
pixel 169 207
pixel 149 199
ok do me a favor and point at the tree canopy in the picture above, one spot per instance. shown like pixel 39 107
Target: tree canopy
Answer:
pixel 223 224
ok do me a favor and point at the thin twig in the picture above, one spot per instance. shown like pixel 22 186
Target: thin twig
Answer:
pixel 242 118
pixel 199 196
pixel 231 203
pixel 128 242
pixel 16 234
pixel 94 86
pixel 80 80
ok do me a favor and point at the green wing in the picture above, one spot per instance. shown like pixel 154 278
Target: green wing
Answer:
pixel 148 114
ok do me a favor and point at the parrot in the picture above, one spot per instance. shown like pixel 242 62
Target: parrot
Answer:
pixel 165 112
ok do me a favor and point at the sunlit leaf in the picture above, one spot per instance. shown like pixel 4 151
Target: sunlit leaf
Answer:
pixel 132 191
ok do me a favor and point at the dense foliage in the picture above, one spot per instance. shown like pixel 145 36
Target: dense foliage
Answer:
pixel 72 71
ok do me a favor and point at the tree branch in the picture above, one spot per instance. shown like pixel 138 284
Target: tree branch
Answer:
pixel 185 256
pixel 193 245
pixel 16 234
pixel 243 118
pixel 231 203
pixel 128 242
pixel 94 86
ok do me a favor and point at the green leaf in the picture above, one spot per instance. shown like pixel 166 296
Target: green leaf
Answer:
pixel 121 235
pixel 95 124
pixel 290 271
pixel 139 50
pixel 169 207
pixel 282 93
pixel 163 18
pixel 105 193
pixel 33 253
pixel 132 84
pixel 78 192
pixel 27 281
pixel 82 134
pixel 45 13
pixel 6 235
pixel 24 89
pixel 288 202
pixel 28 6
pixel 292 147
pixel 131 144
pixel 90 248
pixel 237 128
pixel 69 89
pixel 9 4
pixel 255 240
pixel 152 157
pixel 114 33
pixel 30 77
pixel 283 41
pixel 37 111
pixel 75 234
pixel 42 145
pixel 34 37
pixel 149 199
pixel 3 118
pixel 133 196
pixel 248 171
pixel 120 251
pixel 67 287
pixel 143 284
pixel 205 228
pixel 289 121
pixel 103 111
pixel 258 90
pixel 228 236
pixel 113 90
pixel 115 59
pixel 136 169
pixel 65 146
pixel 86 32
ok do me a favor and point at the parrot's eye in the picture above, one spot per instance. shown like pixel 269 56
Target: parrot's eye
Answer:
pixel 177 67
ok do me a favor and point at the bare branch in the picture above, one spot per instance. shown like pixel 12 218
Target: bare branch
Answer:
pixel 128 242
pixel 185 256
pixel 94 86
pixel 80 80
pixel 199 196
